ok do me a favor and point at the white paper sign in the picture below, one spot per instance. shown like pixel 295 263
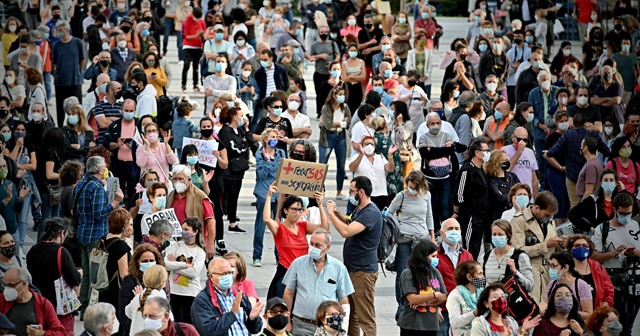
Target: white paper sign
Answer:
pixel 137 138
pixel 205 150
pixel 168 214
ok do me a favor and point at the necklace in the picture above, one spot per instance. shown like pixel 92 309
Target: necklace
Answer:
pixel 501 260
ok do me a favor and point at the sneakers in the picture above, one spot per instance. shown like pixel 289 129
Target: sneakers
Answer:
pixel 184 89
pixel 164 53
pixel 257 263
pixel 221 248
pixel 342 197
pixel 181 63
pixel 236 229
pixel 196 88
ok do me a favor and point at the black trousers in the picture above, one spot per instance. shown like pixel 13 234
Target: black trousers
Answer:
pixel 128 174
pixel 181 308
pixel 191 56
pixel 232 192
pixel 216 186
pixel 62 93
pixel 354 98
pixel 318 79
pixel 627 305
pixel 472 227
pixel 511 96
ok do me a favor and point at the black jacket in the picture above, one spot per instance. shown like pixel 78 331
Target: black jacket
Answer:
pixel 497 65
pixel 526 82
pixel 280 78
pixel 499 193
pixel 471 190
pixel 37 131
pixel 112 135
pixel 71 137
pixel 590 213
pixel 237 142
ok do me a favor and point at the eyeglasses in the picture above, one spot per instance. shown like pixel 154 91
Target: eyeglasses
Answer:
pixel 222 274
pixel 522 139
pixel 296 209
pixel 497 296
pixel 153 316
pixel 277 106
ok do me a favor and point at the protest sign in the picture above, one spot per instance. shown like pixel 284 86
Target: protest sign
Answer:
pixel 167 214
pixel 300 178
pixel 205 150
pixel 137 138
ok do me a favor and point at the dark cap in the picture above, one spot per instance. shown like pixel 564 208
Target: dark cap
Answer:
pixel 275 301
pixel 127 20
pixel 5 323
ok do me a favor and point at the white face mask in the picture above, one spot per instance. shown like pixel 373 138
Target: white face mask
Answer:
pixel 608 130
pixel 216 112
pixel 529 118
pixel 582 100
pixel 368 150
pixel 122 44
pixel 10 80
pixel 563 126
pixel 246 74
pixel 566 52
pixel 492 87
pixel 13 28
pixel 150 324
pixel 486 157
pixel 121 6
pixel 116 327
pixel 546 85
pixel 180 187
pixel 240 43
pixel 11 294
pixel 293 105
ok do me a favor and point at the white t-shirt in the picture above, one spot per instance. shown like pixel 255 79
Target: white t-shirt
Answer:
pixel 625 235
pixel 89 21
pixel 300 121
pixel 185 281
pixel 446 127
pixel 374 171
pixel 358 132
pixel 415 105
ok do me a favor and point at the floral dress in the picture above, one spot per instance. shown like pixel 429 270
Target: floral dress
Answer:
pixel 394 178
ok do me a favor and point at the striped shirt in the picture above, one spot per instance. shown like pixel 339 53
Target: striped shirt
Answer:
pixel 494 268
pixel 237 328
pixel 106 109
pixel 271 82
pixel 333 283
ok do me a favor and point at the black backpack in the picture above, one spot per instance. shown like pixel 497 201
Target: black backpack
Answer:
pixel 520 304
pixel 166 105
pixel 388 238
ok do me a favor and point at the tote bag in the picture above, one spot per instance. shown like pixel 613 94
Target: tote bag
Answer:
pixel 66 298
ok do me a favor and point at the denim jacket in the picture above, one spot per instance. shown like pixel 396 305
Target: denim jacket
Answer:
pixel 246 97
pixel 536 99
pixel 183 127
pixel 266 172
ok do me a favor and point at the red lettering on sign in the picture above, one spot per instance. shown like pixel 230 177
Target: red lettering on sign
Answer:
pixel 288 168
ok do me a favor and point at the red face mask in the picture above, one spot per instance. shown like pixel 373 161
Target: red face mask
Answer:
pixel 499 305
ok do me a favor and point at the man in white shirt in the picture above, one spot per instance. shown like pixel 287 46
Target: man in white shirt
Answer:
pixel 363 128
pixel 300 123
pixel 435 105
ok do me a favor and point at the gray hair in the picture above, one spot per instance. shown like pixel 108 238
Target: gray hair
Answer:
pixel 97 315
pixel 327 235
pixel 466 99
pixel 34 35
pixel 37 103
pixel 310 154
pixel 433 101
pixel 543 72
pixel 385 37
pixel 161 226
pixel 69 103
pixel 63 24
pixel 23 274
pixel 181 169
pixel 94 164
pixel 490 77
pixel 293 43
pixel 432 115
pixel 43 29
pixel 161 301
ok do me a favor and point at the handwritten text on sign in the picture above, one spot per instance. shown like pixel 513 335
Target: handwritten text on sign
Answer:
pixel 168 214
pixel 300 178
pixel 205 150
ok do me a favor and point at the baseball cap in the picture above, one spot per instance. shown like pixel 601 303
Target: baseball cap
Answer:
pixel 275 301
pixel 5 323
pixel 218 27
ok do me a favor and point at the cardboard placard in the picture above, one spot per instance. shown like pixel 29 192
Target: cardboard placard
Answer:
pixel 300 178
pixel 168 214
pixel 205 150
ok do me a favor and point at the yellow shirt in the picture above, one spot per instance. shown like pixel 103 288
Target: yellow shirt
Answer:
pixel 7 39
pixel 159 83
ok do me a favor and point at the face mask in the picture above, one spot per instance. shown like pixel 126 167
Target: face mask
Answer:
pixel 264 64
pixel 546 85
pixel 145 32
pixel 368 25
pixel 241 122
pixel 522 201
pixel 6 136
pixel 129 115
pixel 277 111
pixel 55 17
pixel 411 83
pixel 246 74
pixel 608 130
pixel 145 265
pixel 614 328
pixel 298 33
pixel 487 31
pixel 554 274
pixel 122 44
pixel 605 52
pixel 152 137
pixel 37 117
pixel 296 156
pixel 536 64
pixel 73 119
pixel 293 105
pixel 11 294
pixel 121 6
pixel 582 100
pixel 499 241
pixel 354 201
pixel 13 28
pixel 505 165
pixel 388 73
pixel 529 39
pixel 10 80
pixel 434 129
pixel 456 94
pixel 219 36
pixel 8 251
pixel 273 143
pixel 239 43
pixel 566 52
pixel 180 187
pixel 402 20
pixel 580 253
pixel 594 17
pixel 486 157
pixel 412 191
pixel 617 27
pixel 379 90
pixel 564 304
pixel 562 101
pixel 20 135
pixel 483 47
pixel 626 152
pixel 192 160
pixel 340 99
pixel 305 201
pixel 608 187
pixel 278 322
pixel 351 22
pixel 385 47
pixel 150 324
pixel 118 95
pixel 187 236
pixel 497 115
pixel 333 35
pixel 434 262
pixel 453 237
pixel 479 282
pixel 607 77
pixel 220 67
pixel 335 73
pixel 563 126
pixel 529 118
pixel 266 3
pixel 315 253
pixel 3 173
pixel 463 57
pixel 492 87
pixel 476 18
pixel 335 322
pixel 323 37
pixel 425 16
pixel 499 305
pixel 115 327
pixel 225 282
pixel 624 220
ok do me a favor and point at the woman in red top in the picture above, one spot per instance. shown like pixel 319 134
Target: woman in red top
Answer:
pixel 290 235
pixel 625 168
pixel 581 248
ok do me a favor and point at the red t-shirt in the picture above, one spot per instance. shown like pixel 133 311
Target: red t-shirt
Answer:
pixel 608 207
pixel 495 327
pixel 626 175
pixel 584 10
pixel 291 246
pixel 180 205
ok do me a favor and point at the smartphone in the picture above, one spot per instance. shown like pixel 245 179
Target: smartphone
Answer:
pixel 34 326
pixel 249 84
pixel 128 141
pixel 630 249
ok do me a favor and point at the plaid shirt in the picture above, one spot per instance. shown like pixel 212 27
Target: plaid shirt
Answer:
pixel 238 328
pixel 92 209
pixel 570 144
pixel 124 53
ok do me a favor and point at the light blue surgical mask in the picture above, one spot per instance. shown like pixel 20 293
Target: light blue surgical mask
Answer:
pixel 46 36
pixel 425 15
pixel 388 73
pixel 351 22
pixel 522 201
pixel 379 90
pixel 483 47
pixel 608 187
pixel 412 191
pixel 499 241
pixel 554 274
pixel 497 115
pixel 219 36
pixel 453 237
pixel 128 115
pixel 624 220
pixel 264 64
pixel 353 54
pixel 103 88
pixel 73 119
pixel 192 160
pixel 456 94
pixel 298 32
pixel 374 115
pixel 385 47
pixel 315 253
pixel 160 202
pixel 145 265
pixel 277 112
pixel 353 200
pixel 402 20
pixel 6 136
pixel 220 67
pixel 434 262
pixel 231 103
pixel 145 32
pixel 528 39
pixel 150 183
pixel 305 201
pixel 225 282
pixel 241 122
pixel 536 64
pixel 335 73
pixel 296 51
pixel 340 99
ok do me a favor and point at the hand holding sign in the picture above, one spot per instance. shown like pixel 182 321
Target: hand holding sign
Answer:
pixel 300 178
pixel 207 150
pixel 272 189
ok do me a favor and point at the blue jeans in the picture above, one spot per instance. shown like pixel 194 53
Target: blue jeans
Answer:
pixel 445 325
pixel 169 25
pixel 253 42
pixel 258 235
pixel 23 217
pixel 47 84
pixel 288 15
pixel 440 201
pixel 403 252
pixel 47 212
pixel 335 141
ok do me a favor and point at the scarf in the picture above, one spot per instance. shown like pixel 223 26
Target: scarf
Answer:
pixel 468 298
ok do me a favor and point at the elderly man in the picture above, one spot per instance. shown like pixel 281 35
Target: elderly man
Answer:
pixel 108 109
pixel 391 86
pixel 495 125
pixel 490 94
pixel 435 105
pixel 189 201
pixel 316 272
pixel 292 63
pixel 157 313
pixel 566 77
pixel 542 97
pixel 101 65
pixel 31 309
pixel 93 97
pixel 121 56
pixel 91 211
pixel 100 319
pixel 437 145
pixel 461 121
pixel 292 34
pixel 522 160
pixel 385 44
pixel 300 123
pixel 160 234
pixel 220 308
pixel 118 139
pixel 69 61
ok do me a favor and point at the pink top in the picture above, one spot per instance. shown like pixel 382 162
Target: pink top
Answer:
pixel 350 30
pixel 248 288
pixel 145 160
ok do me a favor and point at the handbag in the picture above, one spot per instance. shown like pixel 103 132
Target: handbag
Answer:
pixel 54 194
pixel 66 298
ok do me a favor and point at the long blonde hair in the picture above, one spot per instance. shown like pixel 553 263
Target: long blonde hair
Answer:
pixel 82 119
pixel 155 277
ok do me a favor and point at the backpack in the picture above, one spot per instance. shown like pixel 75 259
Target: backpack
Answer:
pixel 98 258
pixel 520 304
pixel 390 262
pixel 605 234
pixel 166 105
pixel 389 237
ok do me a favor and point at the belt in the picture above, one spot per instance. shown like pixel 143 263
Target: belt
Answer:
pixel 305 320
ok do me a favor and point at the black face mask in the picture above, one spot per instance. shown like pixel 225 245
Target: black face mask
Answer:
pixel 118 94
pixel 505 165
pixel 412 82
pixel 125 29
pixel 517 41
pixel 323 36
pixel 368 25
pixel 463 57
pixel 278 322
pixel 368 11
pixel 4 113
pixel 388 60
pixel 56 17
pixel 296 156
pixel 206 133
pixel 105 63
pixel 617 27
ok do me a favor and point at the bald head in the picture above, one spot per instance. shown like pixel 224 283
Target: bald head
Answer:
pixel 219 265
pixel 384 66
pixel 450 224
pixel 129 106
pixel 102 79
pixel 521 133
pixel 503 107
pixel 261 46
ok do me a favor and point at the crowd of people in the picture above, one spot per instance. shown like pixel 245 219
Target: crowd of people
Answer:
pixel 507 206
